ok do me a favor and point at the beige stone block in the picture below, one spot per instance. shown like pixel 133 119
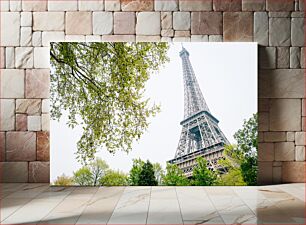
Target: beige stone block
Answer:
pixel 37 39
pixel 119 38
pixel 297 32
pixel 253 5
pixel 279 14
pixel 34 5
pixel 45 106
pixel 290 136
pixel 301 5
pixel 102 23
pixel 12 83
pixel 28 106
pixel 37 83
pixel 49 36
pixel 21 146
pixel 201 5
pixel 300 138
pixel 261 28
pixel 263 121
pixel 24 57
pixel 25 36
pixel 260 137
pixel 39 172
pixel 281 83
pixel 181 21
pixel 215 38
pixel 300 153
pixel 91 5
pixel 21 122
pixel 166 20
pixel 277 174
pixel 137 5
pixel 264 175
pixel 75 38
pixel 14 172
pixel 167 33
pixel 142 27
pixel 140 38
pixel 10 57
pixel 199 38
pixel 15 5
pixel 267 57
pixel 43 146
pixel 45 122
pixel 275 136
pixel 265 152
pixel 303 58
pixel 280 5
pixel 263 105
pixel 112 5
pixel 49 21
pixel 279 32
pixel 283 57
pixel 206 23
pixel 5 5
pixel 26 19
pixel 78 23
pixel 181 39
pixel 34 123
pixel 227 5
pixel 93 38
pixel 2 146
pixel 182 33
pixel 294 172
pixel 2 57
pixel 58 5
pixel 284 151
pixel 41 57
pixel 238 26
pixel 7 114
pixel 166 39
pixel 124 22
pixel 169 5
pixel 303 107
pixel 285 115
pixel 10 28
pixel 295 57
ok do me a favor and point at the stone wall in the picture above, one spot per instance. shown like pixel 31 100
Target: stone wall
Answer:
pixel 28 26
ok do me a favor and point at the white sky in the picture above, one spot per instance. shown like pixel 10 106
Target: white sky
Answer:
pixel 227 74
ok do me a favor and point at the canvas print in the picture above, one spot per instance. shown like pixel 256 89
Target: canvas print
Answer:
pixel 147 114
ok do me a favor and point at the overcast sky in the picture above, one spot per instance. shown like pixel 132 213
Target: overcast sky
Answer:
pixel 227 75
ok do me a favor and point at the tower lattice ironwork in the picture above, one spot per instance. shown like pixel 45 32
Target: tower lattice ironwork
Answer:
pixel 201 135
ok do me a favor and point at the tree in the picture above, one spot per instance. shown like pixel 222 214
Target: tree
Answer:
pixel 201 175
pixel 232 178
pixel 114 178
pixel 146 176
pixel 101 86
pixel 158 172
pixel 174 176
pixel 63 180
pixel 83 176
pixel 134 175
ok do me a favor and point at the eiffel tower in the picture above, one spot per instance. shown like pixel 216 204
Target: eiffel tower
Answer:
pixel 201 135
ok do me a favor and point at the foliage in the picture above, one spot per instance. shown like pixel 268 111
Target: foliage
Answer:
pixel 63 180
pixel 114 178
pixel 174 176
pixel 158 172
pixel 201 175
pixel 232 178
pixel 83 176
pixel 134 175
pixel 146 176
pixel 102 85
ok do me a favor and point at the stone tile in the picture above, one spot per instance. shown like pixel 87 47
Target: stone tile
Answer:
pixel 279 32
pixel 28 106
pixel 2 57
pixel 58 5
pixel 166 20
pixel 238 26
pixel 112 5
pixel 297 32
pixel 264 175
pixel 283 57
pixel 283 5
pixel 20 146
pixel 23 57
pixel 12 83
pixel 105 18
pixel 266 152
pixel 119 38
pixel 21 122
pixel 45 106
pixel 298 14
pixel 215 38
pixel 227 5
pixel 93 38
pixel 25 36
pixel 279 14
pixel 49 21
pixel 281 83
pixel 284 151
pixel 16 172
pixel 201 5
pixel 253 5
pixel 124 22
pixel 75 38
pixel 7 114
pixel 263 121
pixel 36 39
pixel 300 153
pixel 51 36
pixel 290 136
pixel 170 5
pixel 91 5
pixel 142 27
pixel 39 172
pixel 10 28
pixel 261 28
pixel 34 123
pixel 277 174
pixel 206 23
pixel 43 146
pixel 45 122
pixel 181 21
pixel 304 107
pixel 41 57
pixel 34 5
pixel 37 83
pixel 295 57
pixel 267 57
pixel 301 5
pixel 182 33
pixel 144 38
pixel 166 39
pixel 26 19
pixel 275 136
pixel 285 115
pixel 167 33
pixel 300 138
pixel 181 39
pixel 303 58
pixel 10 57
pixel 137 5
pixel 78 23
pixel 2 146
pixel 5 5
pixel 293 172
pixel 199 38
pixel 263 105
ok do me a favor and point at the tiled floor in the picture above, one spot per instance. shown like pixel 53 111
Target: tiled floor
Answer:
pixel 41 204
